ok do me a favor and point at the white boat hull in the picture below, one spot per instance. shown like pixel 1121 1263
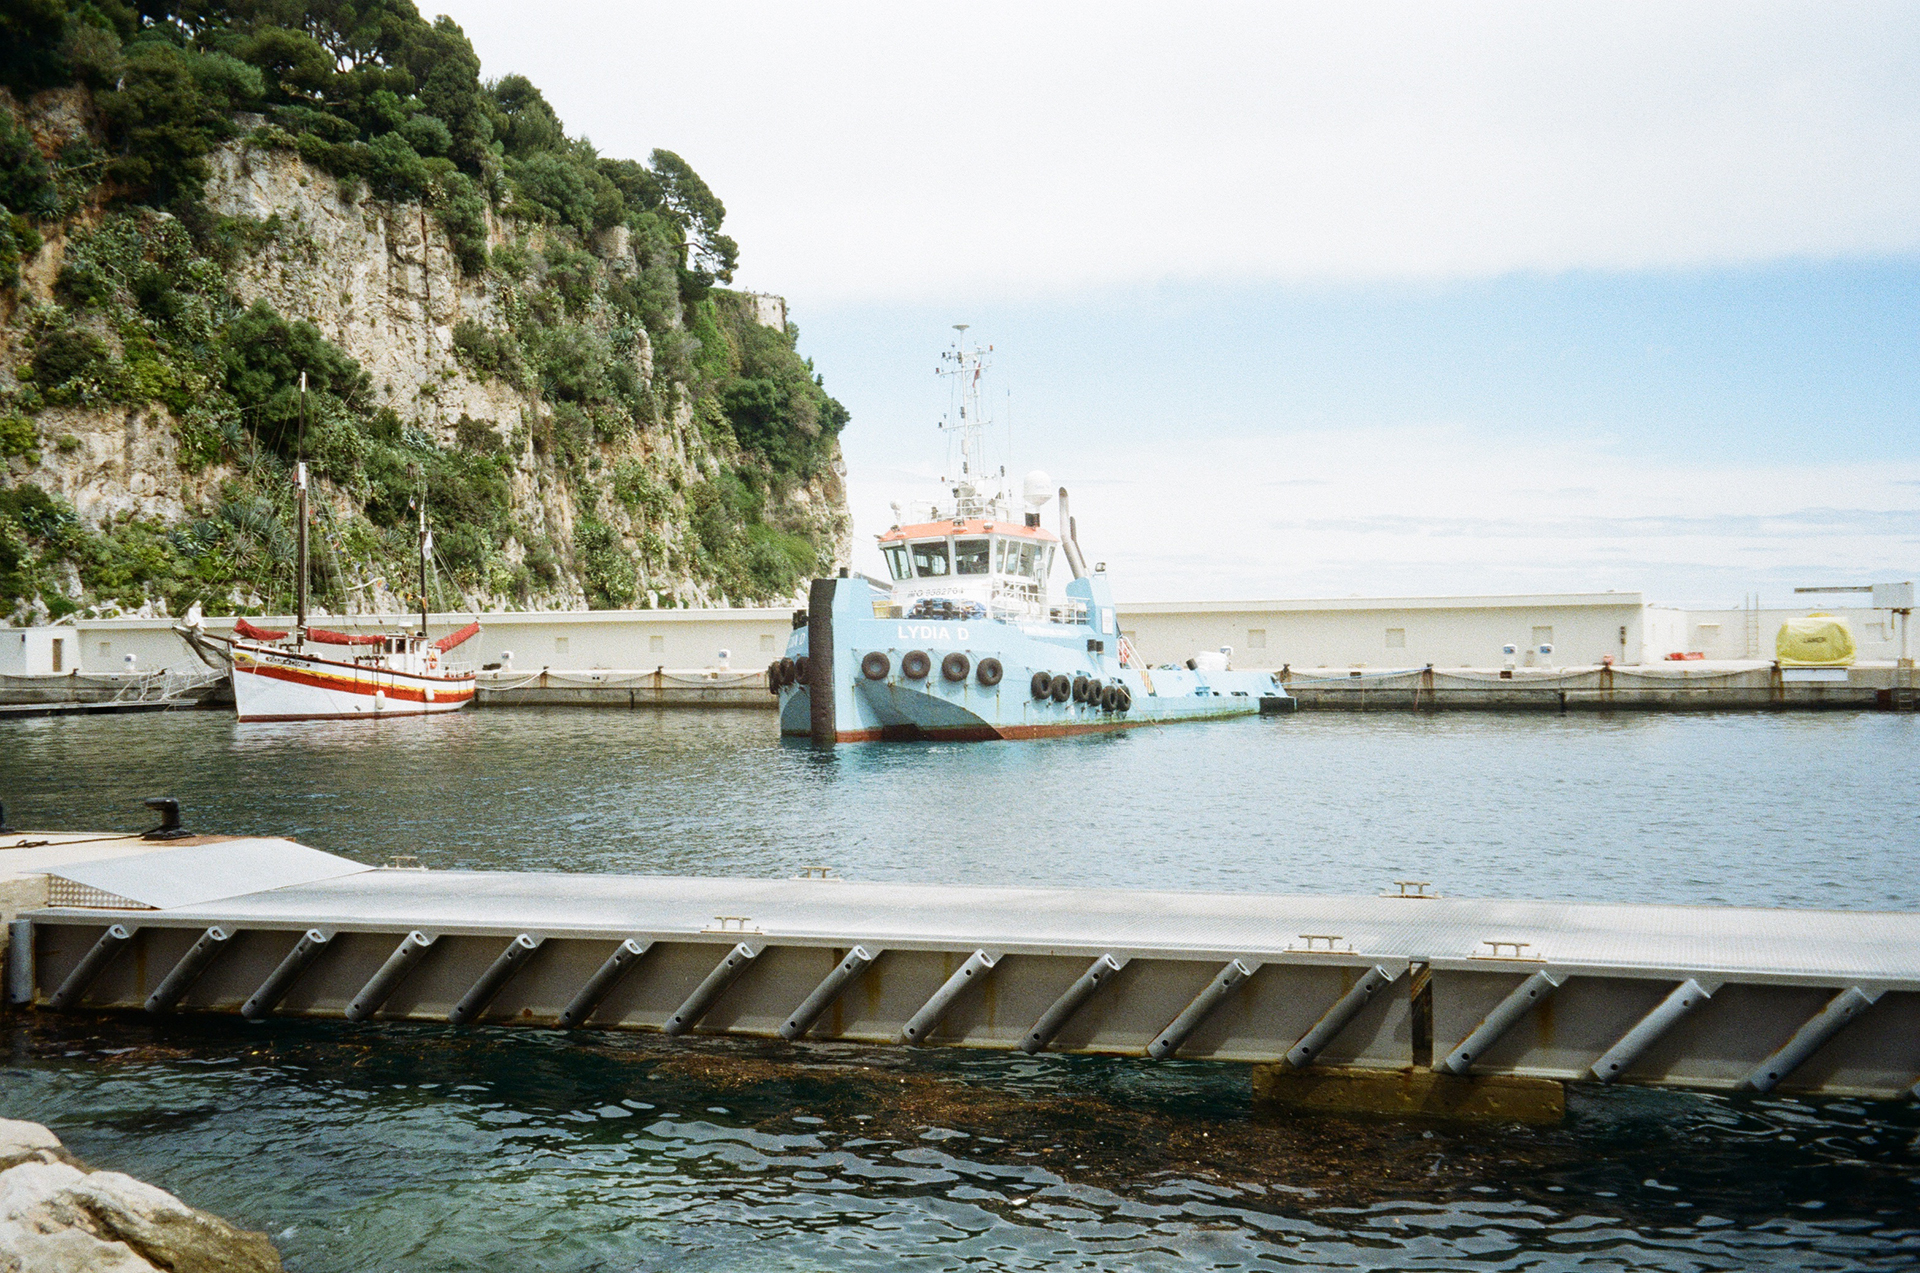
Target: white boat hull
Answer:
pixel 271 685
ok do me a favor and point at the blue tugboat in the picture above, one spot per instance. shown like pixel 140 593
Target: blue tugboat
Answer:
pixel 966 645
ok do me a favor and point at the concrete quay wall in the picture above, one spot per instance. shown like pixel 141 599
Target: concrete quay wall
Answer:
pixel 1337 632
pixel 1689 686
pixel 524 642
pixel 1467 632
pixel 1402 631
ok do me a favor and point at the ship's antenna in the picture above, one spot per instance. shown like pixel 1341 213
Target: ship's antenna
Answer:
pixel 968 364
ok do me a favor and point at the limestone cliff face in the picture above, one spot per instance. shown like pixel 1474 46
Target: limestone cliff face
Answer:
pixel 381 281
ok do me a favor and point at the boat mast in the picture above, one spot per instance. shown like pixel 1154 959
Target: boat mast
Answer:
pixel 300 520
pixel 426 550
pixel 966 366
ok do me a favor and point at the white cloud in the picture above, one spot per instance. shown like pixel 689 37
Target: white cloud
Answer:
pixel 1437 510
pixel 870 151
pixel 873 154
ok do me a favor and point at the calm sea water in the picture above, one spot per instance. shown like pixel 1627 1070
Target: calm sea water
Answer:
pixel 387 1147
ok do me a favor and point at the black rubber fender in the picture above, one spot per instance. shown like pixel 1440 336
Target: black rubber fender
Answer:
pixel 1125 696
pixel 915 664
pixel 800 666
pixel 773 677
pixel 1080 684
pixel 1093 692
pixel 1042 684
pixel 1062 688
pixel 989 671
pixel 875 666
pixel 956 666
pixel 787 675
pixel 1109 697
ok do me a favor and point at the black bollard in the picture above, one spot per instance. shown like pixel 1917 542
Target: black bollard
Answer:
pixel 169 810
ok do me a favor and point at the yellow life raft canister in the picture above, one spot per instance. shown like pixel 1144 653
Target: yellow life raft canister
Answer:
pixel 1819 640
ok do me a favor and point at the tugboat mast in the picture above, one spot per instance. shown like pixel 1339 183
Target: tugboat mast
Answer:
pixel 964 367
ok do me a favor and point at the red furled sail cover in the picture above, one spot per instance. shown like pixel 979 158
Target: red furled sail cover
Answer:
pixel 241 628
pixel 326 637
pixel 452 639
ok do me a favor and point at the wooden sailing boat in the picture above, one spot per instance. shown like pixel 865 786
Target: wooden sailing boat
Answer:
pixel 277 676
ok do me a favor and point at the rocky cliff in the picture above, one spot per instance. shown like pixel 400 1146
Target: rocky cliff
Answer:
pixel 585 425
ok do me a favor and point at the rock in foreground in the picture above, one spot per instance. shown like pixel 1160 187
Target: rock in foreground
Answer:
pixel 55 1216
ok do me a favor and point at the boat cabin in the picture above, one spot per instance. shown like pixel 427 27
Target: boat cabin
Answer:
pixel 996 564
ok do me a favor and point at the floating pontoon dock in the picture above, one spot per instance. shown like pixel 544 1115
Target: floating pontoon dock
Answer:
pixel 1400 986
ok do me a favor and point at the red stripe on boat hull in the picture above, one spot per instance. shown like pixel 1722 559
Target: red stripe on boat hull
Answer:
pixel 367 688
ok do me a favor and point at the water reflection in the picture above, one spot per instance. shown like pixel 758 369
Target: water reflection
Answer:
pixel 364 1146
pixel 1742 809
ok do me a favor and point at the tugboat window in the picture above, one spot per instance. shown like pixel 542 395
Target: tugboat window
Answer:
pixel 897 564
pixel 930 559
pixel 970 557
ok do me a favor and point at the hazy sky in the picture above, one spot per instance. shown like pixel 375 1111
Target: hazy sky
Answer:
pixel 1321 300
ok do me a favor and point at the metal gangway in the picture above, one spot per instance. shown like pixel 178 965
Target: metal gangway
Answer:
pixel 1402 984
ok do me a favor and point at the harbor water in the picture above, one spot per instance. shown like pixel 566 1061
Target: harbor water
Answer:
pixel 390 1146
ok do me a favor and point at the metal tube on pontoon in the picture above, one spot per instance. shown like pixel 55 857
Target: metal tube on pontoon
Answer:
pixel 1195 1014
pixel 281 979
pixel 924 1022
pixel 708 991
pixel 494 979
pixel 598 986
pixel 1055 1018
pixel 174 986
pixel 1344 1010
pixel 91 965
pixel 1683 999
pixel 1505 1015
pixel 1809 1038
pixel 829 989
pixel 382 984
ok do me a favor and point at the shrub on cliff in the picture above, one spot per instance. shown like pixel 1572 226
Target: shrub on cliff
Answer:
pixel 26 183
pixel 605 568
pixel 264 355
pixel 171 107
pixel 778 406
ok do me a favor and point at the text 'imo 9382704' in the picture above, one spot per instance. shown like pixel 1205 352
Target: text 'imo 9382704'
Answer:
pixel 967 643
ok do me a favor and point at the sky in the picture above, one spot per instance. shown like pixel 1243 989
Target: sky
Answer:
pixel 1331 300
